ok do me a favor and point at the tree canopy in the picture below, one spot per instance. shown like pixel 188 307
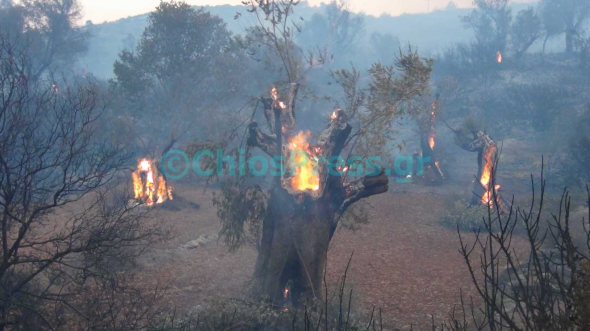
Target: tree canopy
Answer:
pixel 184 64
pixel 44 30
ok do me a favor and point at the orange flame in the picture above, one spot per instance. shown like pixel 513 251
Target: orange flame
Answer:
pixel 335 114
pixel 306 176
pixel 145 186
pixel 487 169
pixel 498 57
pixel 274 93
pixel 431 141
pixel 137 185
pixel 487 197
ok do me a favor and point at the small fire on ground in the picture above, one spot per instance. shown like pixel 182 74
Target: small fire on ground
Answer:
pixel 148 186
pixel 306 176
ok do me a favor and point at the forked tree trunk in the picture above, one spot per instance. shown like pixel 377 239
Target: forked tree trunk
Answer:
pixel 299 225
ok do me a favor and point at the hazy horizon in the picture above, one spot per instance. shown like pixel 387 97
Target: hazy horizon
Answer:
pixel 111 10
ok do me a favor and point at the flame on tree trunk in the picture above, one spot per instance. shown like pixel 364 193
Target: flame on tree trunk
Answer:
pixel 428 142
pixel 486 161
pixel 305 203
pixel 487 154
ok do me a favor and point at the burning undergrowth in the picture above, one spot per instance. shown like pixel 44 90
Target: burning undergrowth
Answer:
pixel 149 186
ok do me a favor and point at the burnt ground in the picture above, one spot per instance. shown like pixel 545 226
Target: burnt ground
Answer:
pixel 404 262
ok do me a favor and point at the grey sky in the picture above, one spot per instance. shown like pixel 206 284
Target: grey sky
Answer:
pixel 108 10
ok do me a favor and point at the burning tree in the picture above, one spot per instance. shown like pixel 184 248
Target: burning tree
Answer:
pixel 427 121
pixel 484 189
pixel 544 287
pixel 305 203
pixel 310 193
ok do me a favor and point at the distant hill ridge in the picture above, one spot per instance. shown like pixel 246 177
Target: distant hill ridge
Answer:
pixel 430 32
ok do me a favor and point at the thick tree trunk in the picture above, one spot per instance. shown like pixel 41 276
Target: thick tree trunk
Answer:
pixel 297 233
pixel 299 224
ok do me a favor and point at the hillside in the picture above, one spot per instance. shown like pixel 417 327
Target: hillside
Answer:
pixel 430 32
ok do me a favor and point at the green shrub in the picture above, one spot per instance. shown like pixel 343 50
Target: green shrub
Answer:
pixel 468 218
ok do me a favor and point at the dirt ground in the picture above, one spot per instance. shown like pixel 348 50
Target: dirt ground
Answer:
pixel 404 262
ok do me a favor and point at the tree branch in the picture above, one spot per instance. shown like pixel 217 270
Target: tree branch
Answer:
pixel 364 188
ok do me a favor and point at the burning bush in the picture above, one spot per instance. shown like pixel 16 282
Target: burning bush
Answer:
pixel 150 187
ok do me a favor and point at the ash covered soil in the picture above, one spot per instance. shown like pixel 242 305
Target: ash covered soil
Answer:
pixel 404 261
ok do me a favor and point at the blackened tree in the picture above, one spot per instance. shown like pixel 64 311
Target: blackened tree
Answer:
pixel 307 201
